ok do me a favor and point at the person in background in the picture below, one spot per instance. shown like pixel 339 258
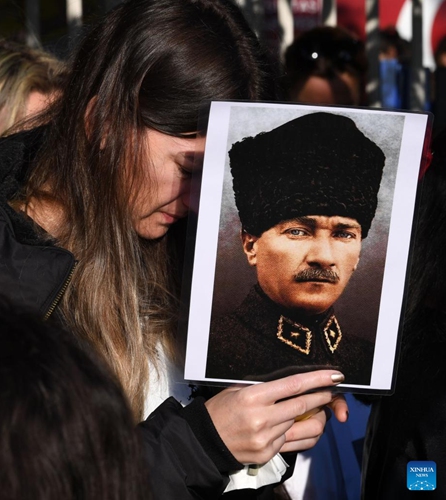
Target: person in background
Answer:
pixel 438 92
pixel 29 80
pixel 67 430
pixel 91 218
pixel 393 46
pixel 394 61
pixel 409 425
pixel 326 65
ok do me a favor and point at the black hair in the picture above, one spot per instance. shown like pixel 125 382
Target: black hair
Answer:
pixel 389 39
pixel 326 52
pixel 427 278
pixel 67 430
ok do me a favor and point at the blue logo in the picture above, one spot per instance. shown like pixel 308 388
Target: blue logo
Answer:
pixel 421 476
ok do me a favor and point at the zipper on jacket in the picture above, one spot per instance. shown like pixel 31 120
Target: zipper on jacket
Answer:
pixel 60 294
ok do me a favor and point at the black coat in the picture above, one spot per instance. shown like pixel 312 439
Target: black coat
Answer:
pixel 259 342
pixel 187 458
pixel 410 424
pixel 33 272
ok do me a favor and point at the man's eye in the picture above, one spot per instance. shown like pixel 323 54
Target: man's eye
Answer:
pixel 345 235
pixel 296 232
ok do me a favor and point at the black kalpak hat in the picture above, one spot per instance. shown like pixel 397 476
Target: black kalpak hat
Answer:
pixel 318 164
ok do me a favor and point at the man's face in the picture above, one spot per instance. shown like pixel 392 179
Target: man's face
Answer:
pixel 305 263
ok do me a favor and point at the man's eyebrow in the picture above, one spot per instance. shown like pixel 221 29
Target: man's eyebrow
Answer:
pixel 307 221
pixel 348 225
pixel 312 223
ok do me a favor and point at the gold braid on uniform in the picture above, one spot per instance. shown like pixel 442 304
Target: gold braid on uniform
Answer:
pixel 332 334
pixel 301 330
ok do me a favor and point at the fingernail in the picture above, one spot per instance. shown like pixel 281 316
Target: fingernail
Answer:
pixel 337 378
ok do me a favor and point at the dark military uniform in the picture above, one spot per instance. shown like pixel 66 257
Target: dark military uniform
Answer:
pixel 259 341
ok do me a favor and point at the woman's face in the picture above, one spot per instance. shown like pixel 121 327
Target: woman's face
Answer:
pixel 163 197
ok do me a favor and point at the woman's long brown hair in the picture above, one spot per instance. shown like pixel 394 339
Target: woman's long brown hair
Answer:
pixel 150 63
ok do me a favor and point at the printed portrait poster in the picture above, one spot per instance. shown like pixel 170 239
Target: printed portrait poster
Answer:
pixel 302 242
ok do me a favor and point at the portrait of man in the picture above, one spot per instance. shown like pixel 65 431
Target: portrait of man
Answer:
pixel 306 193
pixel 298 250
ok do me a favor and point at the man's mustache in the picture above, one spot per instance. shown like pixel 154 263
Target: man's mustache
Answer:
pixel 317 274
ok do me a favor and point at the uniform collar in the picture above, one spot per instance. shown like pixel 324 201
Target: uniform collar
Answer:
pixel 298 331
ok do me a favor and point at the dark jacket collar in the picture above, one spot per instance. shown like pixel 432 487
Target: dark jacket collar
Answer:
pixel 17 152
pixel 33 272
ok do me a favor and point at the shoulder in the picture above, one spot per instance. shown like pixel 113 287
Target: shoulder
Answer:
pixel 356 359
pixel 228 333
pixel 17 151
pixel 226 325
pixel 22 144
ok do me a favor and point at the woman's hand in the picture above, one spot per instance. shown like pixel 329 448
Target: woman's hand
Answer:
pixel 256 422
pixel 294 441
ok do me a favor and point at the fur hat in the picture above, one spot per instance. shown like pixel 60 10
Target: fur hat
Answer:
pixel 318 164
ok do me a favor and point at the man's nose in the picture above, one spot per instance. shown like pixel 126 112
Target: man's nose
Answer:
pixel 320 253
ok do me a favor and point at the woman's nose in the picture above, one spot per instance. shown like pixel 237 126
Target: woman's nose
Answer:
pixel 190 196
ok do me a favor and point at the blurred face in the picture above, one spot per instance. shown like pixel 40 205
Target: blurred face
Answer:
pixel 304 264
pixel 344 89
pixel 163 199
pixel 37 102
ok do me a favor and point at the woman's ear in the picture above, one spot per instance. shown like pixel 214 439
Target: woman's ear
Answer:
pixel 249 247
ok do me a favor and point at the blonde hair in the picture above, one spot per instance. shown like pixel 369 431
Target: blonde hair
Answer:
pixel 22 71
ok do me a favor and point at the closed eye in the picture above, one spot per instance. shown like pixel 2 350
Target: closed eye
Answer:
pixel 184 172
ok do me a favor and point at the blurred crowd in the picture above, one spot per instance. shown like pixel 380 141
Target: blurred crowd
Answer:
pixel 324 65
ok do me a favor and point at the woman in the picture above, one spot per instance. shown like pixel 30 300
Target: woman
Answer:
pixel 106 192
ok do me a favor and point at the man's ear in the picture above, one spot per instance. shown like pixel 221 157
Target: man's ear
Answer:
pixel 249 247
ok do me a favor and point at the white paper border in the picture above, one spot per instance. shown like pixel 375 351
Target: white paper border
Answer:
pixel 396 257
